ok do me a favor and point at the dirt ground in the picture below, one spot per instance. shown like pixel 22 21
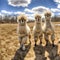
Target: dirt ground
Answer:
pixel 9 45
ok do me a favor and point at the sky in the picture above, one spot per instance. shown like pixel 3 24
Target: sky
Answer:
pixel 29 7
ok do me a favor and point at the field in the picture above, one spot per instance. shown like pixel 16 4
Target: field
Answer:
pixel 9 44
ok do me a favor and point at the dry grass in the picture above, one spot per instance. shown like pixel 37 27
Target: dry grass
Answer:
pixel 9 41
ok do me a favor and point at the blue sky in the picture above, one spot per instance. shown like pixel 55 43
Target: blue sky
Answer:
pixel 34 3
pixel 29 6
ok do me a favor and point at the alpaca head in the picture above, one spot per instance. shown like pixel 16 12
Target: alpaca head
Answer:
pixel 22 19
pixel 37 18
pixel 47 15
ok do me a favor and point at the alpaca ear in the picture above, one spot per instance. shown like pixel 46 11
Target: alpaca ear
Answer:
pixel 17 20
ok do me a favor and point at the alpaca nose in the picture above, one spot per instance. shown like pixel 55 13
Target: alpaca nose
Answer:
pixel 22 21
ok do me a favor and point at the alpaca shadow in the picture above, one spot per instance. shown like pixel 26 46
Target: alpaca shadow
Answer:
pixel 39 52
pixel 20 55
pixel 52 52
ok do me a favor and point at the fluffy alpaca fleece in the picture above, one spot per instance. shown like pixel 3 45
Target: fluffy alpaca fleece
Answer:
pixel 37 30
pixel 48 28
pixel 23 30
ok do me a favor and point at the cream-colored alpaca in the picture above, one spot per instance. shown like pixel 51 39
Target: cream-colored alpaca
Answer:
pixel 23 30
pixel 37 29
pixel 48 28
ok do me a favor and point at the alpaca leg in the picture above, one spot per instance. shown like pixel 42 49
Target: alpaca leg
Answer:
pixel 41 39
pixel 20 41
pixel 24 41
pixel 53 39
pixel 46 39
pixel 35 39
pixel 30 39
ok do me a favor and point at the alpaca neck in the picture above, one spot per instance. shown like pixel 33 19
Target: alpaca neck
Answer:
pixel 48 23
pixel 38 25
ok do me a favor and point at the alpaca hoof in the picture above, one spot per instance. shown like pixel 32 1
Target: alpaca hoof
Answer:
pixel 23 48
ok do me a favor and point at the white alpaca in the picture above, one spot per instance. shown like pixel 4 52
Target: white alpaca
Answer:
pixel 48 28
pixel 23 30
pixel 37 30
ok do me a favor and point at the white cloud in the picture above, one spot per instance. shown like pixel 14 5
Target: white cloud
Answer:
pixel 58 14
pixel 10 13
pixel 6 12
pixel 30 16
pixel 0 14
pixel 28 10
pixel 23 3
pixel 40 9
pixel 55 10
pixel 3 12
pixel 58 6
pixel 18 12
pixel 57 1
pixel 53 14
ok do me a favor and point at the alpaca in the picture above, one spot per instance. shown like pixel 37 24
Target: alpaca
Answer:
pixel 23 30
pixel 48 28
pixel 37 30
